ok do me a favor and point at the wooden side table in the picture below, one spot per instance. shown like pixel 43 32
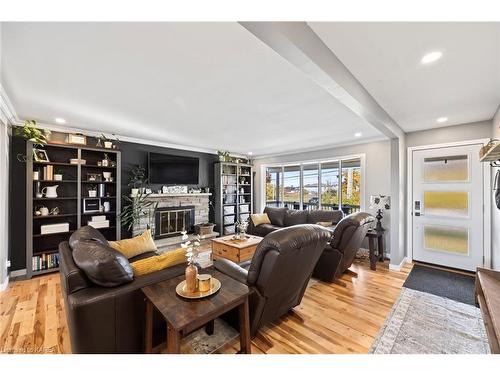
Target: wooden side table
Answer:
pixel 235 250
pixel 378 246
pixel 184 316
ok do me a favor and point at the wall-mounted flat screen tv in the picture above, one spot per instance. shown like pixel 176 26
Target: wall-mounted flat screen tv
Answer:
pixel 172 169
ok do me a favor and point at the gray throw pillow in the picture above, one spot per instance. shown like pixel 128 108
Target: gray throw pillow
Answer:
pixel 102 264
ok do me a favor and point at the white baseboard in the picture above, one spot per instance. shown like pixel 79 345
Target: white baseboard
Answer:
pixel 397 267
pixel 18 273
pixel 4 284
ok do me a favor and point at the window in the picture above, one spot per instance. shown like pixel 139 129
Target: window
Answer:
pixel 274 184
pixel 329 185
pixel 351 185
pixel 291 187
pixel 310 184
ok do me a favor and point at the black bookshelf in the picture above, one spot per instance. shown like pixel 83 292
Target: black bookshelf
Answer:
pixel 73 188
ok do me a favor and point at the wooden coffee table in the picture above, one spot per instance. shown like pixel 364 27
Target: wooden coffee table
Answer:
pixel 184 316
pixel 235 250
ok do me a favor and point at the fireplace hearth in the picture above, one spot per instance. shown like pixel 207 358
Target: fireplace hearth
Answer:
pixel 171 221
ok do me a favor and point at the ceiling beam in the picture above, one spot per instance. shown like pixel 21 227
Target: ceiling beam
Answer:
pixel 302 47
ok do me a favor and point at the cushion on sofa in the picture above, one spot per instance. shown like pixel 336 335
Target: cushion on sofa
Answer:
pixel 276 215
pixel 132 247
pixel 102 264
pixel 158 262
pixel 295 217
pixel 316 216
pixel 87 233
pixel 259 219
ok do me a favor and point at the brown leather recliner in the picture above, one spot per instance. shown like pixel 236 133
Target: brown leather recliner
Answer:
pixel 104 319
pixel 279 271
pixel 346 241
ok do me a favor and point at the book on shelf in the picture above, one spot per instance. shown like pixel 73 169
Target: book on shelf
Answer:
pixel 48 172
pixel 45 262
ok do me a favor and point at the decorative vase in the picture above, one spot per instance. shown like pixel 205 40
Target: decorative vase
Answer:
pixel 191 278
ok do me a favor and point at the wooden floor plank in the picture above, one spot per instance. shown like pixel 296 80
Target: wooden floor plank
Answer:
pixel 337 319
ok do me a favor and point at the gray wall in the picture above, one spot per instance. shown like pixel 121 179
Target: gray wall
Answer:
pixel 456 133
pixel 495 212
pixel 377 170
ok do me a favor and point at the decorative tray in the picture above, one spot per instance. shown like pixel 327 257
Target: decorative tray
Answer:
pixel 181 290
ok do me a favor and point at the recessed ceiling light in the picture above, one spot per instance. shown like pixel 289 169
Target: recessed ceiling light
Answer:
pixel 442 119
pixel 60 120
pixel 431 57
pixel 358 134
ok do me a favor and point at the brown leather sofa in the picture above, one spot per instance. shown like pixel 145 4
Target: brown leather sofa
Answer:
pixel 282 217
pixel 346 240
pixel 279 271
pixel 104 319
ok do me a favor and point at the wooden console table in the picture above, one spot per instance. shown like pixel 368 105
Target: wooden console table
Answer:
pixel 184 316
pixel 488 297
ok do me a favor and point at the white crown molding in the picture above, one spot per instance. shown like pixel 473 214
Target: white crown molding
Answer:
pixel 8 115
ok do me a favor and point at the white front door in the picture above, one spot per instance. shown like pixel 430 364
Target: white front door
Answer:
pixel 447 207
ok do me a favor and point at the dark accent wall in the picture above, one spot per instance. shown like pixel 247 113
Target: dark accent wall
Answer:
pixel 132 154
pixel 137 154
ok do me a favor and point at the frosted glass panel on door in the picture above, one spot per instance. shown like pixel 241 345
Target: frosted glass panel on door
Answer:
pixel 446 203
pixel 446 169
pixel 446 239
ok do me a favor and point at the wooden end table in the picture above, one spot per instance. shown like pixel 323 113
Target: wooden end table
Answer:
pixel 184 316
pixel 373 235
pixel 235 250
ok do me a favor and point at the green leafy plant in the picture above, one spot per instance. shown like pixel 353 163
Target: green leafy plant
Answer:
pixel 224 155
pixel 137 177
pixel 135 208
pixel 30 131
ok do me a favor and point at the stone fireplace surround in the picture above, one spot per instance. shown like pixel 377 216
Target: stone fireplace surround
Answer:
pixel 200 201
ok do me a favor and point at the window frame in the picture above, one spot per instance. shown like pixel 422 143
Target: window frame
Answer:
pixel 301 164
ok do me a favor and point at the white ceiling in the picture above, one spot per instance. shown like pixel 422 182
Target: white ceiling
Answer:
pixel 385 57
pixel 207 85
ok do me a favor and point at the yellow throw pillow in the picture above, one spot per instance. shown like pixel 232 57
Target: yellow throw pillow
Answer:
pixel 258 219
pixel 132 247
pixel 325 223
pixel 158 262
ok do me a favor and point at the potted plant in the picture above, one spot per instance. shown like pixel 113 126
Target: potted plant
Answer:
pixel 223 155
pixel 92 191
pixel 30 132
pixel 136 207
pixel 137 180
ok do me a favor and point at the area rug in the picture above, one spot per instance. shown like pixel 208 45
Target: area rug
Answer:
pixel 423 323
pixel 442 283
pixel 199 342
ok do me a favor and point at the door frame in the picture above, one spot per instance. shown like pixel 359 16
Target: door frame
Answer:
pixel 486 197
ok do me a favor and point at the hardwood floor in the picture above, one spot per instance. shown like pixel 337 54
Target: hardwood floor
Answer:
pixel 337 319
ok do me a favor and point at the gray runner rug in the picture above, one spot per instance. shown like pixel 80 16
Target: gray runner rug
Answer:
pixel 423 323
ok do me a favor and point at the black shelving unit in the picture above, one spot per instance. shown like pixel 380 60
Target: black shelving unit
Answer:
pixel 234 198
pixel 71 191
